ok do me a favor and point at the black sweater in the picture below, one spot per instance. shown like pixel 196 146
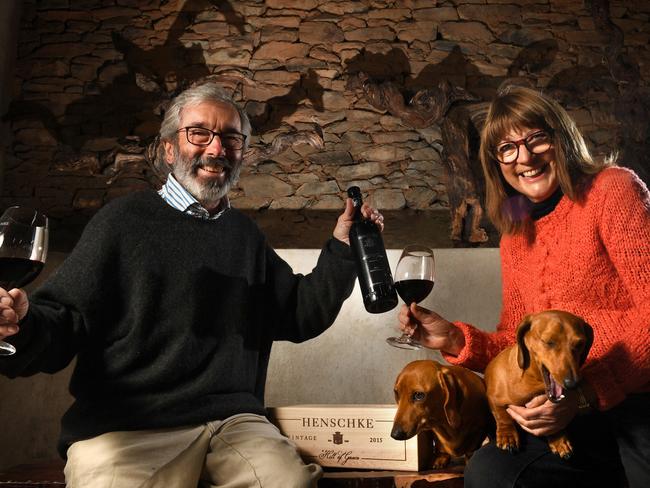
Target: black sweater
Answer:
pixel 171 317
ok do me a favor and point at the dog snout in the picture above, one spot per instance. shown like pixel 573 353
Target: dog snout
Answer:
pixel 570 383
pixel 398 433
pixel 571 379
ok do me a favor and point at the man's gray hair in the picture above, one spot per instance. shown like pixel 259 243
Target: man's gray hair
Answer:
pixel 206 92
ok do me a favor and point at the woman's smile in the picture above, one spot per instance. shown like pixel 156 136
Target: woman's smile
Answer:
pixel 533 173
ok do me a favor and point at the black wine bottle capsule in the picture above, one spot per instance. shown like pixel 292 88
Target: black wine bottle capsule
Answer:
pixel 375 278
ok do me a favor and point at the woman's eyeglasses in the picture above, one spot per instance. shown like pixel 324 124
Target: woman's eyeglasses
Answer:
pixel 537 143
pixel 200 136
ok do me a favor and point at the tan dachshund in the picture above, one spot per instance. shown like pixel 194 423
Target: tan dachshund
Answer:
pixel 449 401
pixel 551 347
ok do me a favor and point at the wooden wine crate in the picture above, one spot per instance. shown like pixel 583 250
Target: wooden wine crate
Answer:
pixel 351 436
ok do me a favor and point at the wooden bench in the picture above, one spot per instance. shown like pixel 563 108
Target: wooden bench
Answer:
pixel 50 475
pixel 448 478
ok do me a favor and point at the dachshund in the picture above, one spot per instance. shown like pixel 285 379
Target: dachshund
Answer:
pixel 551 346
pixel 449 401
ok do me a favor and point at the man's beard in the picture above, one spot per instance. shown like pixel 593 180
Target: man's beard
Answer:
pixel 210 193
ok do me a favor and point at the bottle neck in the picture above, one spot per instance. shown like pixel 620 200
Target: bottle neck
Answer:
pixel 355 194
pixel 358 217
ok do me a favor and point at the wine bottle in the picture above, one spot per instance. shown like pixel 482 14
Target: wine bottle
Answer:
pixel 368 249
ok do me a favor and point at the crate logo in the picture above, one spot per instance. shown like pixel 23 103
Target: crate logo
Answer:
pixel 337 438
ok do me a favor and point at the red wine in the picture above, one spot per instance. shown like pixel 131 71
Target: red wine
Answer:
pixel 413 290
pixel 18 272
pixel 375 278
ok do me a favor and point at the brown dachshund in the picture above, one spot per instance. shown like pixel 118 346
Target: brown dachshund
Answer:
pixel 449 401
pixel 551 347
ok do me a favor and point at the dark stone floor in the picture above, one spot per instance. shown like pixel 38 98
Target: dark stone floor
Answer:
pixel 309 229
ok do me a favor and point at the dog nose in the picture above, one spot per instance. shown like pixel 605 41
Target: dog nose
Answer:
pixel 570 383
pixel 398 433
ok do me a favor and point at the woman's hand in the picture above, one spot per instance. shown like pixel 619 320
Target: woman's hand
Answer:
pixel 430 329
pixel 13 307
pixel 541 417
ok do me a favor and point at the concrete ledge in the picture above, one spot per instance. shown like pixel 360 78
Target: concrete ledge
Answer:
pixel 349 363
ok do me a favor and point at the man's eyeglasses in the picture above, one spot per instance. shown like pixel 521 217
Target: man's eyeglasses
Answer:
pixel 537 143
pixel 200 136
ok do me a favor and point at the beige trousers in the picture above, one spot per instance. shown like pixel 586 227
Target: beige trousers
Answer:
pixel 240 452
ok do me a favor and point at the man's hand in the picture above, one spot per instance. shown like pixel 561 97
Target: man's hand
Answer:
pixel 13 307
pixel 541 417
pixel 345 220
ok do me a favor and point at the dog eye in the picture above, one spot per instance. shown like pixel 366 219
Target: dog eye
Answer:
pixel 577 349
pixel 550 344
pixel 418 396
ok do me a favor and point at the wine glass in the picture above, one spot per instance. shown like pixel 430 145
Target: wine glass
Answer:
pixel 414 279
pixel 23 249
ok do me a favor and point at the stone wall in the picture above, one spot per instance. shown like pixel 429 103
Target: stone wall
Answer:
pixel 93 77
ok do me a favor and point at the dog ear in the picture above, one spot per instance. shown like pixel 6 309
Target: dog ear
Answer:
pixel 451 404
pixel 523 356
pixel 589 340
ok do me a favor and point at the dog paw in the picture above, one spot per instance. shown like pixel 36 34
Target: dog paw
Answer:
pixel 441 460
pixel 561 446
pixel 508 441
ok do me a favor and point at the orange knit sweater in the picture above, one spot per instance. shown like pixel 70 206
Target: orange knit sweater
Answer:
pixel 592 259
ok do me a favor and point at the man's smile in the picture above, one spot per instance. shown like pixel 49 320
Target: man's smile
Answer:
pixel 211 170
pixel 212 167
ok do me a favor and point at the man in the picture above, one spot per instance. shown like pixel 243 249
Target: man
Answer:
pixel 170 303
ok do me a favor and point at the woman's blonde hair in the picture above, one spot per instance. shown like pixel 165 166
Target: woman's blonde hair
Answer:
pixel 516 108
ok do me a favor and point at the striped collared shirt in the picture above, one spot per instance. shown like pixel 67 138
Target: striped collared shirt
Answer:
pixel 178 197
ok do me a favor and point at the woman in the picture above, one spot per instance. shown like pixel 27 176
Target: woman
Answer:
pixel 575 237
